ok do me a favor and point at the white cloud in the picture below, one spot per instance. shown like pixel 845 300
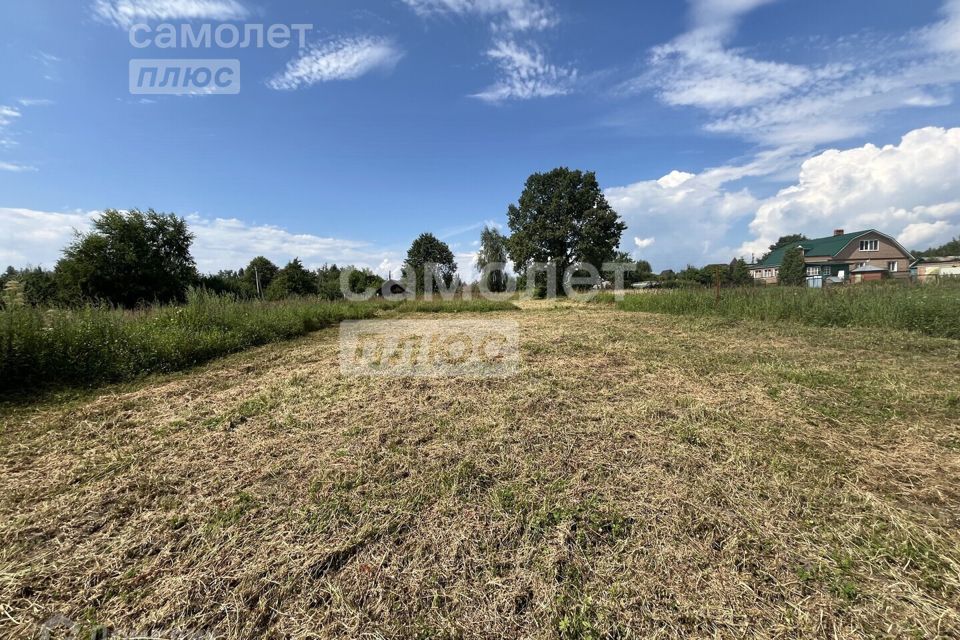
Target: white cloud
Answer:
pixel 717 17
pixel 922 235
pixel 37 238
pixel 125 13
pixel 776 103
pixel 692 216
pixel 945 36
pixel 34 102
pixel 344 59
pixel 910 190
pixel 507 15
pixel 9 115
pixel 525 74
pixel 13 166
pixel 230 243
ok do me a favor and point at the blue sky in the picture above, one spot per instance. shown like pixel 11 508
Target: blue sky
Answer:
pixel 714 125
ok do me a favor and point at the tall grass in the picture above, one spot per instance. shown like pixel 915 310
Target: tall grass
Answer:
pixel 932 309
pixel 96 344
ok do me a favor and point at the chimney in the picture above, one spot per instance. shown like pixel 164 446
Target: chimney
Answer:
pixel 837 232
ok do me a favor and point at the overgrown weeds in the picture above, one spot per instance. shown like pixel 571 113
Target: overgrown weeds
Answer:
pixel 931 309
pixel 44 348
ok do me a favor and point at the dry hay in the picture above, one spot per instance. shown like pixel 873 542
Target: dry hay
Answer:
pixel 644 476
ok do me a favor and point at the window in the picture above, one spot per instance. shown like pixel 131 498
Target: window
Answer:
pixel 893 266
pixel 869 245
pixel 813 271
pixel 825 271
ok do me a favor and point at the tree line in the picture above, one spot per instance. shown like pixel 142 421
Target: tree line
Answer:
pixel 561 219
pixel 143 257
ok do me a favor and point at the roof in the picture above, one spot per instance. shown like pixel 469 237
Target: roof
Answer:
pixel 937 259
pixel 818 247
pixel 867 268
pixel 825 247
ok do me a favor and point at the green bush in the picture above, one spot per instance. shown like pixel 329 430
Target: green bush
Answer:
pixel 932 309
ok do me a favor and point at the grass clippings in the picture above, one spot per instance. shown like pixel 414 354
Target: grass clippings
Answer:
pixel 644 476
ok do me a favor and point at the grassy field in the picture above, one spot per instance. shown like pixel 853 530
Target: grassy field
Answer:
pixel 644 475
pixel 933 309
pixel 41 348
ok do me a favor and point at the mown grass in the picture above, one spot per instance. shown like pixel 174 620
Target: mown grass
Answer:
pixel 929 309
pixel 453 306
pixel 40 349
pixel 642 476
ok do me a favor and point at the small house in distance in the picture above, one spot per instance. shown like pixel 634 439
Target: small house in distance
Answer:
pixel 936 267
pixel 837 256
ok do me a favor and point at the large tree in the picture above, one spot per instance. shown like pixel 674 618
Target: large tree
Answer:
pixel 130 258
pixel 293 280
pixel 429 256
pixel 493 253
pixel 793 271
pixel 259 274
pixel 563 218
pixel 784 241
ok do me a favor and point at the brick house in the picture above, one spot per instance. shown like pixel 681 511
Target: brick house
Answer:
pixel 838 255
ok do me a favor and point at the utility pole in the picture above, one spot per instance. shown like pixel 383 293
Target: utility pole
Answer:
pixel 256 274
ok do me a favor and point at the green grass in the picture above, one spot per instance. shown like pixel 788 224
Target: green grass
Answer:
pixel 40 349
pixel 932 309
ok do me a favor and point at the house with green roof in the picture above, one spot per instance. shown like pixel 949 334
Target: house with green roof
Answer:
pixel 858 256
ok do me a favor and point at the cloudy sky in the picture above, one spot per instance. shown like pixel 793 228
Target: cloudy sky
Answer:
pixel 715 126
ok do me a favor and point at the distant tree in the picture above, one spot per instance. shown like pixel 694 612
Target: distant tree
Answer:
pixel 562 218
pixel 292 280
pixel 951 248
pixel 262 270
pixel 784 241
pixel 362 280
pixel 668 274
pixel 328 282
pixel 493 251
pixel 739 273
pixel 35 287
pixel 793 271
pixel 130 258
pixel 692 274
pixel 635 270
pixel 427 252
pixel 227 282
